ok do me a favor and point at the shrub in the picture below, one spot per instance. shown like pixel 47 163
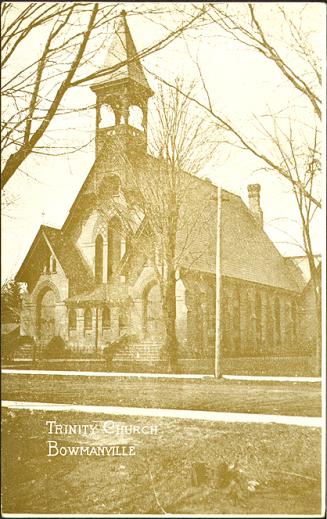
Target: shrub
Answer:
pixel 56 348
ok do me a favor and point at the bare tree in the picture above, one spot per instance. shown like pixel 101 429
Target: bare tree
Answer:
pixel 171 204
pixel 290 149
pixel 243 23
pixel 71 34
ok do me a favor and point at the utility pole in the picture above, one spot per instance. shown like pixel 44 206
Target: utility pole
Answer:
pixel 218 373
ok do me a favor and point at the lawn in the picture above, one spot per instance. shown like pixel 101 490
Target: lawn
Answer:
pixel 288 398
pixel 283 461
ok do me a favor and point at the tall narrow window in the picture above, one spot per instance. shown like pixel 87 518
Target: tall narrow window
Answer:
pixel 106 317
pixel 258 322
pixel 236 321
pixel 226 323
pixel 54 265
pixel 277 319
pixel 294 318
pixel 269 326
pixel 88 319
pixel 99 259
pixel 72 320
pixel 114 245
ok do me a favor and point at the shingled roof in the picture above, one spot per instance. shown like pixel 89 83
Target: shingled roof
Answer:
pixel 247 252
pixel 122 49
pixel 67 254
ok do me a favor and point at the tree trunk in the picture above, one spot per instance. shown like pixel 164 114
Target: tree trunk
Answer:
pixel 316 281
pixel 319 323
pixel 169 304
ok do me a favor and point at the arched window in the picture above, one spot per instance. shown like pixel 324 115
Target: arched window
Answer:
pixel 258 322
pixel 72 320
pixel 107 117
pixel 47 266
pixel 114 245
pixel 226 322
pixel 87 319
pixel 114 181
pixel 99 259
pixel 54 265
pixel 135 117
pixel 236 320
pixel 269 326
pixel 211 305
pixel 106 318
pixel 294 319
pixel 277 319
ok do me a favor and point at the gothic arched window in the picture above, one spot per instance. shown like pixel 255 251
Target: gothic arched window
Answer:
pixel 54 265
pixel 99 259
pixel 72 320
pixel 258 315
pixel 87 319
pixel 294 319
pixel 106 317
pixel 236 320
pixel 277 318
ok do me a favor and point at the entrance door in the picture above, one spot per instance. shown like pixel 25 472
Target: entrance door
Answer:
pixel 47 317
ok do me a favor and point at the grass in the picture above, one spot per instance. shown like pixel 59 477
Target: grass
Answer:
pixel 211 395
pixel 285 460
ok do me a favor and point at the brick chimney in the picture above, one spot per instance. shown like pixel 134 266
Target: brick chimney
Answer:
pixel 254 202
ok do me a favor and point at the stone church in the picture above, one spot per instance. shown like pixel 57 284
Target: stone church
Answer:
pixel 89 282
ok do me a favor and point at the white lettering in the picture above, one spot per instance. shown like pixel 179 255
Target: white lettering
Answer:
pixel 52 445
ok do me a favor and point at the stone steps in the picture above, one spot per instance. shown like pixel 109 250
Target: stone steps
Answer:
pixel 24 352
pixel 140 352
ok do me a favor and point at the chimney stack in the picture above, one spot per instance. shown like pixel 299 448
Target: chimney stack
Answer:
pixel 254 202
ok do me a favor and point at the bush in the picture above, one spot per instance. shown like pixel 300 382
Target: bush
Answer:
pixel 56 348
pixel 114 347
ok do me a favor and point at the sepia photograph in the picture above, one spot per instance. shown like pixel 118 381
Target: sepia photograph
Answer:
pixel 163 245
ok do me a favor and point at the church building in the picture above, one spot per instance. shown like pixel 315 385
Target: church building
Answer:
pixel 91 281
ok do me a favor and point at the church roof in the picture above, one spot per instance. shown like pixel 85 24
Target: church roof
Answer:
pixel 122 49
pixel 65 251
pixel 68 255
pixel 301 269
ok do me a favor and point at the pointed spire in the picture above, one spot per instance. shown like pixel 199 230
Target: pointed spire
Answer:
pixel 122 48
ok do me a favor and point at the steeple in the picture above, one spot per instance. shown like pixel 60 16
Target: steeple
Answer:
pixel 122 94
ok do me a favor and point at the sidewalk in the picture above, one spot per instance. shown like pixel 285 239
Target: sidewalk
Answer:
pixel 155 375
pixel 180 414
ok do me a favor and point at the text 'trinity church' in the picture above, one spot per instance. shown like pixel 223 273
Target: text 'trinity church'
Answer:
pixel 98 277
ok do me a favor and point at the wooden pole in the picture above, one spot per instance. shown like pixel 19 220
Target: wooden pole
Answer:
pixel 96 328
pixel 218 373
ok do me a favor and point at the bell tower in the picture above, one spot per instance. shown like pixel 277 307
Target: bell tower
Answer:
pixel 122 94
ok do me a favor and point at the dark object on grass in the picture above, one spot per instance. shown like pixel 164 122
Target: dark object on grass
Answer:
pixel 199 474
pixel 114 347
pixel 56 348
pixel 18 345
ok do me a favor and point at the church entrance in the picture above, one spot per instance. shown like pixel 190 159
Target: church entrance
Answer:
pixel 46 317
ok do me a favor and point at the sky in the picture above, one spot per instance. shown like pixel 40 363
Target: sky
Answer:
pixel 241 84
